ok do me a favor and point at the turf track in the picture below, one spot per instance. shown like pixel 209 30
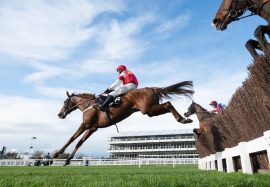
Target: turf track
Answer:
pixel 125 176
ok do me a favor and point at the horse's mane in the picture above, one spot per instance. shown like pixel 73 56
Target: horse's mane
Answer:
pixel 203 109
pixel 85 95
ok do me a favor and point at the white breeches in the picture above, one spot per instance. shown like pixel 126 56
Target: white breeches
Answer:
pixel 123 89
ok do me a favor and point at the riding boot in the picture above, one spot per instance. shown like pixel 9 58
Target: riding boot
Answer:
pixel 106 103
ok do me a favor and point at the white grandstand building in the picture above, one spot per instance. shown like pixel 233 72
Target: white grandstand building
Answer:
pixel 153 144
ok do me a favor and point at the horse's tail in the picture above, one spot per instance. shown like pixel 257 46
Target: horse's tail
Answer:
pixel 184 88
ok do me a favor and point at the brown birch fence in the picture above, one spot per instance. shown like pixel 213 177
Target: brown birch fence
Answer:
pixel 247 115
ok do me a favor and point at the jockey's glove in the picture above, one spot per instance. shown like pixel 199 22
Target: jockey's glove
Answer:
pixel 107 91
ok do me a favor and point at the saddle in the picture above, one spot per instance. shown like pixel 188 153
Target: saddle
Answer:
pixel 102 97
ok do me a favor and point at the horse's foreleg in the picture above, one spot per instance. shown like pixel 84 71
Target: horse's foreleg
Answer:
pixel 86 135
pixel 251 46
pixel 79 131
pixel 259 34
pixel 159 109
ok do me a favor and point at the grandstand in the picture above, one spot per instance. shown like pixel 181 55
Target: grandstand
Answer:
pixel 155 144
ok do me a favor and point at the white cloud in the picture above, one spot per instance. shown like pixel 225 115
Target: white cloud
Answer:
pixel 48 30
pixel 97 66
pixel 44 72
pixel 168 25
pixel 169 71
pixel 17 110
pixel 118 40
pixel 22 118
pixel 54 92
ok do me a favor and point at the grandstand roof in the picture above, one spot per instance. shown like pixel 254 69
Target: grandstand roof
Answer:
pixel 153 133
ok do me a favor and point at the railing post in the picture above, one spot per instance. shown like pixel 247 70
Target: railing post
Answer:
pixel 267 139
pixel 245 159
pixel 219 161
pixel 229 160
pixel 212 160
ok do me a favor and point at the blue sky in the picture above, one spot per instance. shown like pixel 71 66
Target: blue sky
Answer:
pixel 48 47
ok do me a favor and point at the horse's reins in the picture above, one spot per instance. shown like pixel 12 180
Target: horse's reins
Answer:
pixel 75 106
pixel 233 13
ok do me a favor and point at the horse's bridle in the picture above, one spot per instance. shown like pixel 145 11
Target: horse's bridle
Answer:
pixel 233 12
pixel 77 105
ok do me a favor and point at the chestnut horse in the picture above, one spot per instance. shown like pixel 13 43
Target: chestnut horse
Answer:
pixel 204 117
pixel 147 100
pixel 231 10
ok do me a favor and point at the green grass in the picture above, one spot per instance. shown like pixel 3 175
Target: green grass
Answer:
pixel 125 176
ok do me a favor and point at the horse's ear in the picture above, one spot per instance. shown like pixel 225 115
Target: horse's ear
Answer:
pixel 68 94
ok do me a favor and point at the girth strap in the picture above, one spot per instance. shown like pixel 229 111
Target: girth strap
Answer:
pixel 110 119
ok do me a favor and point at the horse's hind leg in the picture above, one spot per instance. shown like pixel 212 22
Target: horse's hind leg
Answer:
pixel 159 109
pixel 86 135
pixel 197 131
pixel 79 131
pixel 251 46
pixel 259 34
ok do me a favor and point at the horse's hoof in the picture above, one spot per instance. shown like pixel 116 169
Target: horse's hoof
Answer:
pixel 196 131
pixel 67 163
pixel 189 120
pixel 184 121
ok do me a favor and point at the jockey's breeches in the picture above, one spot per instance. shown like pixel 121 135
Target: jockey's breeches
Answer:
pixel 123 89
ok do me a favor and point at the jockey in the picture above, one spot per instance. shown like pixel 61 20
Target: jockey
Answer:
pixel 218 107
pixel 126 81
